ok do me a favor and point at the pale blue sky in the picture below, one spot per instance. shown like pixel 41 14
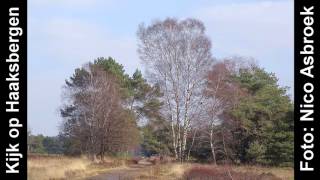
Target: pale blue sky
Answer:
pixel 64 34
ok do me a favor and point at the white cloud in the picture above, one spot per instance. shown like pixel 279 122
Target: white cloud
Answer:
pixel 261 29
pixel 250 28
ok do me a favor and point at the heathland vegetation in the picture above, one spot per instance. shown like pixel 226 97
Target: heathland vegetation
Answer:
pixel 188 106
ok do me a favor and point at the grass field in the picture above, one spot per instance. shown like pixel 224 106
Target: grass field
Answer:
pixel 189 171
pixel 65 168
pixel 49 167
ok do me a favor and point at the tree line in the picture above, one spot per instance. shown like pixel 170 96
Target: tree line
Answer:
pixel 189 105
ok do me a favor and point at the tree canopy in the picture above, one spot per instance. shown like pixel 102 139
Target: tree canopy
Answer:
pixel 188 104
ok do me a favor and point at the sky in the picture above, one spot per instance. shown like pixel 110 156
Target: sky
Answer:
pixel 65 34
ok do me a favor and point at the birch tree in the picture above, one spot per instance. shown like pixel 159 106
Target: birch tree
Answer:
pixel 177 57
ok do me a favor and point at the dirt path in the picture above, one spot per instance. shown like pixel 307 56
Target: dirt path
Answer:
pixel 127 173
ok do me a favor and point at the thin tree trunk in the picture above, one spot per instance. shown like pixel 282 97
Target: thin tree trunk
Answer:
pixel 184 142
pixel 174 140
pixel 212 145
pixel 224 147
pixel 193 138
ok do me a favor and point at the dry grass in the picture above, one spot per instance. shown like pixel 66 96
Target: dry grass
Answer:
pixel 285 173
pixel 163 172
pixel 225 173
pixel 62 167
pixel 185 171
